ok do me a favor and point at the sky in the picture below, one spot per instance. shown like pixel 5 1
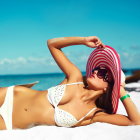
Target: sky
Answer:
pixel 26 25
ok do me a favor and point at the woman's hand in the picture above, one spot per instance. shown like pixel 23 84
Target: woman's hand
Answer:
pixel 93 41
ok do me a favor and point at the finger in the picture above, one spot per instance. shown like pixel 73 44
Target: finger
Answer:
pixel 102 45
pixel 98 43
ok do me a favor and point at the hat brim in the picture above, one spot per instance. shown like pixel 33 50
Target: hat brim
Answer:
pixel 107 57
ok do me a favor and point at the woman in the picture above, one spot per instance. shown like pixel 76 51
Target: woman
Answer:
pixel 69 104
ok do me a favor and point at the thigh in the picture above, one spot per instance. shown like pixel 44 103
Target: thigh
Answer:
pixel 2 124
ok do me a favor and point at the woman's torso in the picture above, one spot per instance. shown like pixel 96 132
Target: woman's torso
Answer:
pixel 32 106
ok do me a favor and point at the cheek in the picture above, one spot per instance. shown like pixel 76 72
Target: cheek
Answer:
pixel 103 84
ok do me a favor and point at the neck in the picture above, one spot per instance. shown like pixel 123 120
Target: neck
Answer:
pixel 90 96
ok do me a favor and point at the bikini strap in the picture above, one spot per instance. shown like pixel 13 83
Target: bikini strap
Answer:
pixel 75 83
pixel 87 114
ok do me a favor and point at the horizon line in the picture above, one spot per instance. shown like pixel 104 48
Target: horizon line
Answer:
pixel 61 73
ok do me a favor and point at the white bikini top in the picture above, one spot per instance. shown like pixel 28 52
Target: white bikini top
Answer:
pixel 61 117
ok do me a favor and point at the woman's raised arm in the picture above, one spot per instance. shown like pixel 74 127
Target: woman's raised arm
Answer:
pixel 55 45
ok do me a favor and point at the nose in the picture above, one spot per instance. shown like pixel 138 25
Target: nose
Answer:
pixel 95 72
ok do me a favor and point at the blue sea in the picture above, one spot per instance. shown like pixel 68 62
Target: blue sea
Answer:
pixel 45 80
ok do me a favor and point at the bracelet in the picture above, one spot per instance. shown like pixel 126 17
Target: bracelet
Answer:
pixel 124 97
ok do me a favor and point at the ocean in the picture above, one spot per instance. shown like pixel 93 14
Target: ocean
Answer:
pixel 46 80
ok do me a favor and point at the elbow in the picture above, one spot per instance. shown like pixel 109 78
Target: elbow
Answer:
pixel 48 42
pixel 137 123
pixel 51 43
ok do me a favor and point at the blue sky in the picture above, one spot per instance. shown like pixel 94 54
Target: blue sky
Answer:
pixel 25 25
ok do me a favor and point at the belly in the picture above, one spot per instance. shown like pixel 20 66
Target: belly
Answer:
pixel 31 109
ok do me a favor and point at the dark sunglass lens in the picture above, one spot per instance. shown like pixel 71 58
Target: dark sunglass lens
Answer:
pixel 97 68
pixel 102 72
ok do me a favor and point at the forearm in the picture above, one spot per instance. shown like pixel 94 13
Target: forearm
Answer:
pixel 131 109
pixel 65 41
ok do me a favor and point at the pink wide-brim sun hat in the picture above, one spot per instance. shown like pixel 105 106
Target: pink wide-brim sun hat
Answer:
pixel 109 58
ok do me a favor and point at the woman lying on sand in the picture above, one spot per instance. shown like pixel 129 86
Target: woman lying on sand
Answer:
pixel 75 101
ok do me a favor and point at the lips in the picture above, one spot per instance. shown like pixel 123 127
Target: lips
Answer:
pixel 92 76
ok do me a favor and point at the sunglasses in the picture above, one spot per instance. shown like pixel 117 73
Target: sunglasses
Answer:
pixel 102 73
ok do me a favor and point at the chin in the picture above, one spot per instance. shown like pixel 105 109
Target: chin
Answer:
pixel 93 86
pixel 89 80
pixel 90 83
